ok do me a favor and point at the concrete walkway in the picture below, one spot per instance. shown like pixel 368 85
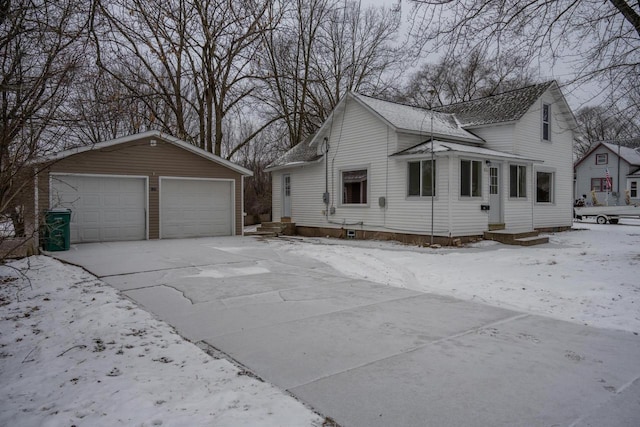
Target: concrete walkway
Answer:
pixel 371 355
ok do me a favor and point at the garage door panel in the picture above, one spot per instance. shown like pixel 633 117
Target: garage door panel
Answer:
pixel 103 208
pixel 192 208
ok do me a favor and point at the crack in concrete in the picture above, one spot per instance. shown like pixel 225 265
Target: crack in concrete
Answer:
pixel 184 295
pixel 430 343
pixel 169 269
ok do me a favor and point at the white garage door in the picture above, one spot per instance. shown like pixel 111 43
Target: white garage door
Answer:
pixel 195 208
pixel 103 208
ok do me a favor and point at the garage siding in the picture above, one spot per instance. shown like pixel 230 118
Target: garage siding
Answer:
pixel 140 158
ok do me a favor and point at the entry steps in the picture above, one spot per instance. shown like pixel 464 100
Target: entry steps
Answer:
pixel 273 229
pixel 515 237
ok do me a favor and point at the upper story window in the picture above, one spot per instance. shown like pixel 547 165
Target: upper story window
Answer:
pixel 602 159
pixel 470 178
pixel 422 177
pixel 517 181
pixel 354 187
pixel 546 122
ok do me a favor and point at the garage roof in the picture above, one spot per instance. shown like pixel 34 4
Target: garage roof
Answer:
pixel 148 134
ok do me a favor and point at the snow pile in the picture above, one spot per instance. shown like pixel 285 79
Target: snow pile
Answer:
pixel 73 352
pixel 588 275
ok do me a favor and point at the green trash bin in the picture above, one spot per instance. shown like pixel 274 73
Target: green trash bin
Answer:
pixel 57 233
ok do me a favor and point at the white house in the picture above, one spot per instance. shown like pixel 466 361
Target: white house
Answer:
pixel 623 165
pixel 382 169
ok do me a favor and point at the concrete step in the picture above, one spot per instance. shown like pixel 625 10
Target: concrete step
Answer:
pixel 531 241
pixel 261 233
pixel 493 227
pixel 515 237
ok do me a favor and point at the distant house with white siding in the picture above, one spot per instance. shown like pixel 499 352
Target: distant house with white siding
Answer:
pixel 621 159
pixel 387 170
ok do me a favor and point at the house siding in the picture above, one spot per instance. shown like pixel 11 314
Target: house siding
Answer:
pixel 139 158
pixel 557 156
pixel 360 139
pixel 587 169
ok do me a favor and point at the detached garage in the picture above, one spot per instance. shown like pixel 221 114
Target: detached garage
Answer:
pixel 144 186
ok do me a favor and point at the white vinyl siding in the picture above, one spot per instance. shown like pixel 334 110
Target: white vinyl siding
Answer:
pixel 556 156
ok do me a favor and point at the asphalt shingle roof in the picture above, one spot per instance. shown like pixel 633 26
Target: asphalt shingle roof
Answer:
pixel 631 155
pixel 504 107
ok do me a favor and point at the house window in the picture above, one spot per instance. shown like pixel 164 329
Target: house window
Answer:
pixel 354 187
pixel 633 189
pixel 517 181
pixel 420 174
pixel 493 180
pixel 546 122
pixel 544 187
pixel 470 178
pixel 602 159
pixel 599 184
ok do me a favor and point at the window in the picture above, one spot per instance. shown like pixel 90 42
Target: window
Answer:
pixel 470 178
pixel 420 173
pixel 546 122
pixel 517 181
pixel 599 184
pixel 354 187
pixel 633 189
pixel 493 180
pixel 544 187
pixel 602 159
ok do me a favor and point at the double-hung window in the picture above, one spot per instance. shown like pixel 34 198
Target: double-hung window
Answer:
pixel 546 122
pixel 422 178
pixel 544 187
pixel 470 178
pixel 633 189
pixel 517 181
pixel 354 187
pixel 602 159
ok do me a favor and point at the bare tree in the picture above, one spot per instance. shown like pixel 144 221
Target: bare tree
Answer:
pixel 603 123
pixel 41 50
pixel 189 61
pixel 321 50
pixel 599 40
pixel 465 76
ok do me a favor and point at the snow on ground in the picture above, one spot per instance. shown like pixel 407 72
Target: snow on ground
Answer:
pixel 590 275
pixel 73 352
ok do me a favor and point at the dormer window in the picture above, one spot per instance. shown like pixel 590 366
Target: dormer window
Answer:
pixel 546 122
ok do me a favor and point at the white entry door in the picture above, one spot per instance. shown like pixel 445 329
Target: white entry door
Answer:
pixel 286 195
pixel 103 208
pixel 195 208
pixel 495 198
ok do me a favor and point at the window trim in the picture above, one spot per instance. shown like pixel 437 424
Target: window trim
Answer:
pixel 546 122
pixel 606 158
pixel 479 184
pixel 421 194
pixel 602 188
pixel 521 171
pixel 552 189
pixel 341 172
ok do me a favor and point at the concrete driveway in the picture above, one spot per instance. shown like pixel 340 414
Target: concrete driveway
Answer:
pixel 370 355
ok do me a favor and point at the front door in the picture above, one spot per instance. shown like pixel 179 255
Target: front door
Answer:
pixel 495 199
pixel 286 195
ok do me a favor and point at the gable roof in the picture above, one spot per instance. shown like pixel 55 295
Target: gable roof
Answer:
pixel 299 155
pixel 151 133
pixel 506 107
pixel 628 154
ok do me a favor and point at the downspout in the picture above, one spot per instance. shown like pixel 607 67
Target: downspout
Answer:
pixel 242 213
pixel 533 196
pixel 325 196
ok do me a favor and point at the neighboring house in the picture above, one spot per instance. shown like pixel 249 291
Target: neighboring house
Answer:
pixel 623 164
pixel 505 160
pixel 144 186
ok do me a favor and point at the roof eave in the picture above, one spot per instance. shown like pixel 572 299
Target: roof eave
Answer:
pixel 292 165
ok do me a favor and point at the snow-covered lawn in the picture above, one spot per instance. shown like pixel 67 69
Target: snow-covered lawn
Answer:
pixel 590 275
pixel 73 352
